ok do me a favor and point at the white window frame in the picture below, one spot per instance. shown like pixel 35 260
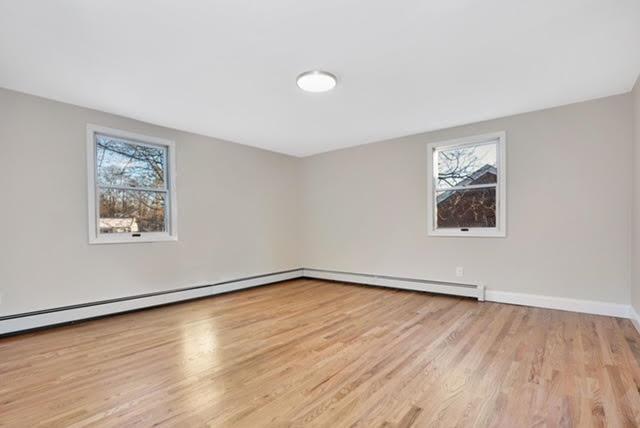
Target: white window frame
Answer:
pixel 171 210
pixel 500 231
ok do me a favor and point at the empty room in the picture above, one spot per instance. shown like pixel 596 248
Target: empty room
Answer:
pixel 320 213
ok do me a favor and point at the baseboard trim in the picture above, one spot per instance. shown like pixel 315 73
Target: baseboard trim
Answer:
pixel 55 316
pixel 634 317
pixel 560 303
pixel 46 318
pixel 478 291
pixel 452 288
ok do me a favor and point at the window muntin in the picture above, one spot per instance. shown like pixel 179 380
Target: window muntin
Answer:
pixel 467 187
pixel 132 187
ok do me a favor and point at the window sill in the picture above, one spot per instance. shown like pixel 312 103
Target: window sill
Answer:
pixel 491 233
pixel 131 240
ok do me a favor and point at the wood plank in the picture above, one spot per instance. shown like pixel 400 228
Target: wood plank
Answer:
pixel 317 353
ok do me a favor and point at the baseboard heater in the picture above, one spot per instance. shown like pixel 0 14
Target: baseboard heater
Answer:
pixel 10 324
pixel 441 287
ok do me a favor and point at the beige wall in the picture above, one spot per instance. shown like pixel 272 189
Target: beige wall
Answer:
pixel 635 282
pixel 238 212
pixel 569 207
pixel 245 211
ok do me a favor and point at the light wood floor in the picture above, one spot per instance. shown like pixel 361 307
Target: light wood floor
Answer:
pixel 312 353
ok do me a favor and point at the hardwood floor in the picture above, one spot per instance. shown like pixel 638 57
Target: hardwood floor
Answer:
pixel 313 353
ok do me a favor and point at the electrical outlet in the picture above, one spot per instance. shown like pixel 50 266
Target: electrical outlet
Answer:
pixel 459 271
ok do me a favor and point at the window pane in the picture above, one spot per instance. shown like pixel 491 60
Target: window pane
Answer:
pixel 127 211
pixel 121 163
pixel 465 166
pixel 466 208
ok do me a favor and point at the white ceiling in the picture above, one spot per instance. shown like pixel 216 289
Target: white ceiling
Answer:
pixel 227 69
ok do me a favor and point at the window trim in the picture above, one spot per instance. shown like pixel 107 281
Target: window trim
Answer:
pixel 95 237
pixel 500 231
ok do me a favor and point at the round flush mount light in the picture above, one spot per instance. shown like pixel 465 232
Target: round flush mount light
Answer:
pixel 316 81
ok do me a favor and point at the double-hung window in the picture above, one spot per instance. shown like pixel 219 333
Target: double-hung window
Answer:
pixel 467 186
pixel 131 187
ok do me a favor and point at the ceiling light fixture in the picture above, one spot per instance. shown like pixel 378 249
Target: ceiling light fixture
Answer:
pixel 316 81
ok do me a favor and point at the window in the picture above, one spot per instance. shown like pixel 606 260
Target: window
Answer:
pixel 131 187
pixel 467 186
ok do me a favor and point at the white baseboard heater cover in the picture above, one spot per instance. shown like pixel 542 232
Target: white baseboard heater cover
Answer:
pixel 49 317
pixel 10 324
pixel 452 288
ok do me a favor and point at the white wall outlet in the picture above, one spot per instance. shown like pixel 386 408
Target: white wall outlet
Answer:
pixel 459 271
